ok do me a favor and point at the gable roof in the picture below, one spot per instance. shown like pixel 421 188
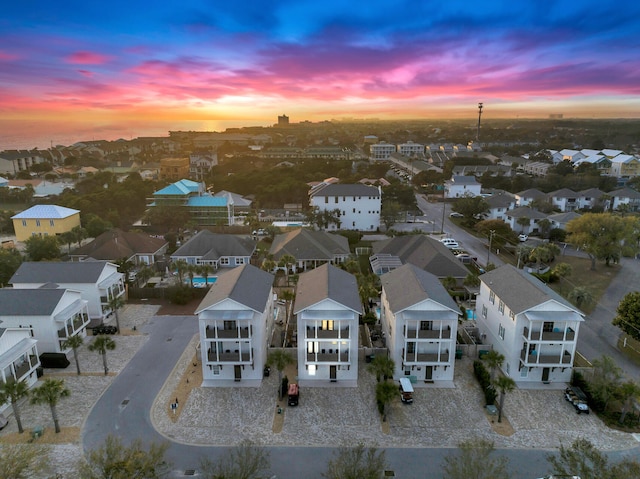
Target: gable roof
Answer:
pixel 180 188
pixel 46 211
pixel 246 285
pixel 531 193
pixel 525 212
pixel 563 193
pixel 327 282
pixel 306 244
pixel 59 272
pixel 625 192
pixel 346 190
pixel 424 252
pixel 521 291
pixel 500 200
pixel 409 285
pixel 564 217
pixel 208 245
pixel 29 302
pixel 116 244
pixel 464 180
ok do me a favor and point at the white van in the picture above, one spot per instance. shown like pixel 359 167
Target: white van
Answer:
pixel 406 391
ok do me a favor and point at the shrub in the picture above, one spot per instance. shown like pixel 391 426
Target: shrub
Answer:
pixel 484 378
pixel 180 294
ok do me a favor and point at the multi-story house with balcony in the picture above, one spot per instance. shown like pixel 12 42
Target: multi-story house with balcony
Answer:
pixel 15 161
pixel 53 314
pixel 327 308
pixel 97 281
pixel 358 205
pixel 18 356
pixel 564 199
pixel 624 198
pixel 625 166
pixel 235 322
pixel 532 326
pixel 420 321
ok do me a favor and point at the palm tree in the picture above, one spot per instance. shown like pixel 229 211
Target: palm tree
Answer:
pixel 205 271
pixel 74 342
pixel 101 345
pixel 581 296
pixel 504 384
pixel 79 234
pixel 12 391
pixel 385 392
pixel 191 272
pixel 523 221
pixel 115 303
pixel 494 360
pixel 280 359
pixel 144 274
pixel 180 267
pixel 383 367
pixel 51 391
pixel 268 265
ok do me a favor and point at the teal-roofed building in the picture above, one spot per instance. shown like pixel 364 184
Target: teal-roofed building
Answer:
pixel 201 206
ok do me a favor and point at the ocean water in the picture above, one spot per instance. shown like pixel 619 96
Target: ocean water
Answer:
pixel 30 134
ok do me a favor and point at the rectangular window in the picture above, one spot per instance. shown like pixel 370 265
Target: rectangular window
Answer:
pixel 37 222
pixel 512 316
pixel 426 325
pixel 484 311
pixel 501 307
pixel 492 297
pixel 51 223
pixel 326 199
pixel 327 324
pixel 24 222
pixel 216 370
pixel 547 327
pixel 411 347
pixel 501 331
pixel 335 200
pixel 224 261
pixel 240 261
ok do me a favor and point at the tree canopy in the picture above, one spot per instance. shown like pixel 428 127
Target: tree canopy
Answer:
pixel 628 314
pixel 470 207
pixel 603 235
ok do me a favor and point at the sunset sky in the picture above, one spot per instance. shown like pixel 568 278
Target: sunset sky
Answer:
pixel 316 60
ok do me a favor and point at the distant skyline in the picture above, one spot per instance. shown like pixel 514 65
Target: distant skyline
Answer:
pixel 250 61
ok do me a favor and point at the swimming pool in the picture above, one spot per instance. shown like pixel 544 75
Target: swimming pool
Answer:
pixel 199 281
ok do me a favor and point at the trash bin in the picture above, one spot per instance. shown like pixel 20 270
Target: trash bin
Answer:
pixel 482 353
pixel 458 353
pixel 367 358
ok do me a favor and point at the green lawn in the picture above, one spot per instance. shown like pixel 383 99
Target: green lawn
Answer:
pixel 581 275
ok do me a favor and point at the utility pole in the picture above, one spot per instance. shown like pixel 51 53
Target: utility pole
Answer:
pixel 479 115
pixel 491 232
pixel 444 209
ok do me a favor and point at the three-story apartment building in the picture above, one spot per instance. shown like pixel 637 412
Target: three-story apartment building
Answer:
pixel 420 321
pixel 531 325
pixel 236 321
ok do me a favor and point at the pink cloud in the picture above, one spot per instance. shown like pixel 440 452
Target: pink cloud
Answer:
pixel 4 56
pixel 87 58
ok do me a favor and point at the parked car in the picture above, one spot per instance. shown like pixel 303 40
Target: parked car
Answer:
pixel 523 237
pixel 577 398
pixel 104 330
pixel 450 243
pixel 455 214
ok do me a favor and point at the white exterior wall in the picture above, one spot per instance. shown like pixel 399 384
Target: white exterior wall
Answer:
pixel 219 369
pixel 382 151
pixel 109 283
pixel 458 191
pixel 510 341
pixel 361 213
pixel 411 149
pixel 314 367
pixel 398 330
pixel 18 358
pixel 45 328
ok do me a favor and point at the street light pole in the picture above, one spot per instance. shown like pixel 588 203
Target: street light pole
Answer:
pixel 444 208
pixel 491 232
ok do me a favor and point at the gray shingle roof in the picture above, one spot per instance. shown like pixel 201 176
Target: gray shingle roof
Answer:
pixel 424 252
pixel 305 244
pixel 520 290
pixel 347 190
pixel 327 282
pixel 213 246
pixel 58 272
pixel 29 302
pixel 246 285
pixel 525 212
pixel 116 244
pixel 409 285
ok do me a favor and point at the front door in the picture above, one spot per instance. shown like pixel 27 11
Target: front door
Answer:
pixel 237 372
pixel 428 373
pixel 333 373
pixel 545 375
